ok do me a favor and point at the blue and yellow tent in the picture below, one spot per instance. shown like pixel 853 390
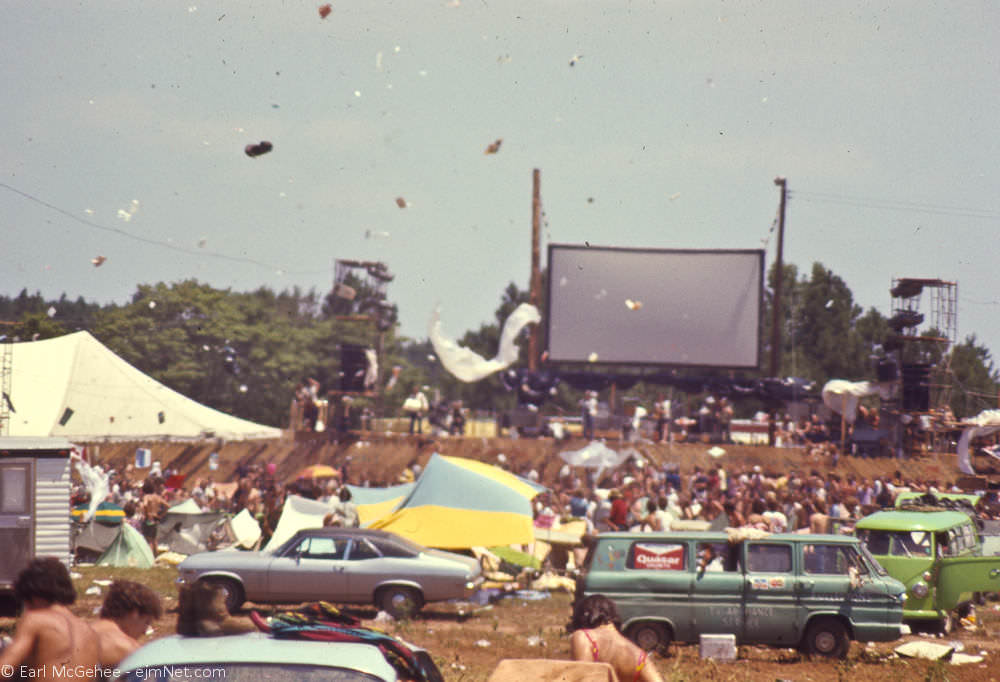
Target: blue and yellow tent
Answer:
pixel 459 503
pixel 377 503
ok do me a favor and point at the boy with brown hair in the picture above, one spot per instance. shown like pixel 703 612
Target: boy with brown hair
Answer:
pixel 128 610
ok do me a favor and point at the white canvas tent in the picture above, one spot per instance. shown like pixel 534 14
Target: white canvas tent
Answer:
pixel 74 387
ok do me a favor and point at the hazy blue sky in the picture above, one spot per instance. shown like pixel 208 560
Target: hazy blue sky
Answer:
pixel 667 132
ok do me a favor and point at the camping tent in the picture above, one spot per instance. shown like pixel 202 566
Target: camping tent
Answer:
pixel 296 514
pixel 75 387
pixel 128 548
pixel 460 503
pixel 186 529
pixel 376 503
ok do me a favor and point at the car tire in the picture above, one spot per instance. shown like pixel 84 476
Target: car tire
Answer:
pixel 399 602
pixel 649 635
pixel 826 637
pixel 232 592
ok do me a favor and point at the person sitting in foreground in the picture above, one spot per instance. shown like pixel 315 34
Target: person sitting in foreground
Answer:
pixel 50 640
pixel 596 638
pixel 128 610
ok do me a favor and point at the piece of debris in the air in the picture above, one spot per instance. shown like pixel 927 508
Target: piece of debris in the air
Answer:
pixel 324 11
pixel 98 261
pixel 262 147
pixel 401 202
pixel 574 59
pixel 494 147
pixel 632 305
pixel 592 357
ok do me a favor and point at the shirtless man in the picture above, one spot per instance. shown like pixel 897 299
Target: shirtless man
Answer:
pixel 150 506
pixel 128 610
pixel 50 642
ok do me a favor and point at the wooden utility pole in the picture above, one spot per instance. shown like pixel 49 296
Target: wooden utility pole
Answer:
pixel 779 277
pixel 534 292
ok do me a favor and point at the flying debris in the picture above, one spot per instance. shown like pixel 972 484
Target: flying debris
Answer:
pixel 324 11
pixel 592 357
pixel 263 147
pixel 202 242
pixel 633 305
pixel 494 147
pixel 98 261
pixel 51 312
pixel 401 202
pixel 574 59
pixel 152 304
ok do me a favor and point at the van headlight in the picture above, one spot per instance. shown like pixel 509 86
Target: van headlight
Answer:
pixel 919 589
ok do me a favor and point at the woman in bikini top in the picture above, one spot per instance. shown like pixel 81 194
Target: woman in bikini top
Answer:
pixel 595 636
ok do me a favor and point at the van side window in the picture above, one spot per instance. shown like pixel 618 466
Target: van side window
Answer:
pixel 830 559
pixel 764 558
pixel 657 556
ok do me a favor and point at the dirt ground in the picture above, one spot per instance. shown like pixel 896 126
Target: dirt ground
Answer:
pixel 468 641
pixel 380 459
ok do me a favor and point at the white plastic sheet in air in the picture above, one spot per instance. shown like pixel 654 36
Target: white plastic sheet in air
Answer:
pixel 469 366
pixel 843 396
pixel 983 424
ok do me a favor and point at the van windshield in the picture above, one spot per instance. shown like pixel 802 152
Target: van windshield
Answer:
pixel 872 561
pixel 896 543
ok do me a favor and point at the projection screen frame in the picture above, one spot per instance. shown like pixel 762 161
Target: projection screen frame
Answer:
pixel 757 354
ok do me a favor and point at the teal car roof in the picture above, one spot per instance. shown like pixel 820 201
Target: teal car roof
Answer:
pixel 716 536
pixel 902 520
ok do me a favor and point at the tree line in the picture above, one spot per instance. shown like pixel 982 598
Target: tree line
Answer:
pixel 245 352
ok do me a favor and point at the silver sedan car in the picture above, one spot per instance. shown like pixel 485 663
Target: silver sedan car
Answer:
pixel 342 565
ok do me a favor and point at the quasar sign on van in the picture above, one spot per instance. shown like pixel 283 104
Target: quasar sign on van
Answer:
pixel 815 592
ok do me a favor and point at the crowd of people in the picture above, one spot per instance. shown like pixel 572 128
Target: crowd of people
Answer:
pixel 641 496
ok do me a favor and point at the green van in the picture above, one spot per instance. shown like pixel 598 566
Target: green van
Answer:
pixel 937 554
pixel 814 592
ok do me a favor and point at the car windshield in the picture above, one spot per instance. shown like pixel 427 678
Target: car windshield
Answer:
pixel 246 672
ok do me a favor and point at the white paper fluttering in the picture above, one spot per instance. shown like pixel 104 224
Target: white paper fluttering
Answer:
pixel 469 366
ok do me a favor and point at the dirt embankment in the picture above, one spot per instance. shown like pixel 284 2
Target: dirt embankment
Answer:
pixel 380 459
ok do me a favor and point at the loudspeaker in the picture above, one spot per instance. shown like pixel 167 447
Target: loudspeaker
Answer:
pixel 353 365
pixel 917 387
pixel 887 370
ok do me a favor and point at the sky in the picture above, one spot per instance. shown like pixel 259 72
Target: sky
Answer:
pixel 653 125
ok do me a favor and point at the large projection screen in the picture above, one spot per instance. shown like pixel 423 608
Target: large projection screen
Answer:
pixel 655 306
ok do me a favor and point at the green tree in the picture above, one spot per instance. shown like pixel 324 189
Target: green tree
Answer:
pixel 974 380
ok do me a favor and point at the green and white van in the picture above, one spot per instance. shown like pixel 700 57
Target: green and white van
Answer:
pixel 937 554
pixel 814 592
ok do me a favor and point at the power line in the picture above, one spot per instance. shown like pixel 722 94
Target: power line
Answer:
pixel 154 242
pixel 894 205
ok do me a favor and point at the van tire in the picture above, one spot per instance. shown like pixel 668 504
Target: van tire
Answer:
pixel 826 637
pixel 649 635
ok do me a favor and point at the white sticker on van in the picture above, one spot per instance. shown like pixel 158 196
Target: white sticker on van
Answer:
pixel 759 584
pixel 659 557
